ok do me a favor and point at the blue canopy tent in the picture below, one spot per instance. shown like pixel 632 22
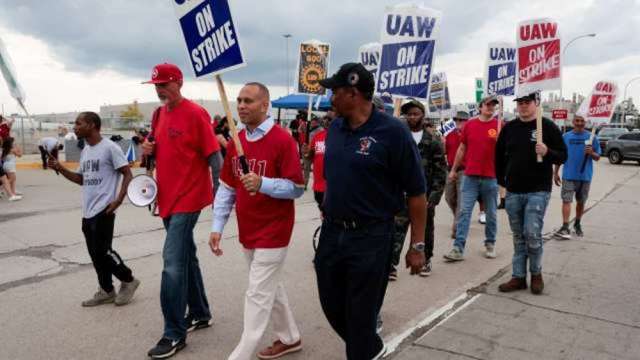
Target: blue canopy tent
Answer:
pixel 301 102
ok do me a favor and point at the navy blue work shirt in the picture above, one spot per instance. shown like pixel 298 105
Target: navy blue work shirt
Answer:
pixel 369 169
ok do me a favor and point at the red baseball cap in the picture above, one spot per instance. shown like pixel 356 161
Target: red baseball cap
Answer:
pixel 164 73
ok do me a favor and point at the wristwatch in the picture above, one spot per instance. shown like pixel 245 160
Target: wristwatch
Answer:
pixel 418 246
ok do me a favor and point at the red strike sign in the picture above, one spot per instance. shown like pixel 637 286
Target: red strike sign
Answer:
pixel 539 59
pixel 559 114
pixel 601 106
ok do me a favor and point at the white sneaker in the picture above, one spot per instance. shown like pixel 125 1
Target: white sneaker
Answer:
pixel 15 198
pixel 18 192
pixel 490 251
pixel 483 218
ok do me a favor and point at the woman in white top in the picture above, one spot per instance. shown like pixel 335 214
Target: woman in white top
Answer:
pixel 10 152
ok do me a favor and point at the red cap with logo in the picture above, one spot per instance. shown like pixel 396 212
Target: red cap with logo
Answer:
pixel 164 73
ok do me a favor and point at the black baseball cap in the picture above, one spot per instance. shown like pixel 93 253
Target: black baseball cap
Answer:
pixel 411 104
pixel 351 74
pixel 526 97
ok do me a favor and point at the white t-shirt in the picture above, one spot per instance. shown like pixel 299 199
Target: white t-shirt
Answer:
pixel 417 136
pixel 70 136
pixel 48 143
pixel 99 166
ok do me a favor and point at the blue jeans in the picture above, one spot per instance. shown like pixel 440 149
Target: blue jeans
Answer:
pixel 526 217
pixel 181 277
pixel 472 188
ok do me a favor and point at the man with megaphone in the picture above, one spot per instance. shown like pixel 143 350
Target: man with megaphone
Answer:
pixel 184 146
pixel 102 162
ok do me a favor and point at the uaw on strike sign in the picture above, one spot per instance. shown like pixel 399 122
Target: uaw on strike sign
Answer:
pixel 598 107
pixel 210 35
pixel 500 76
pixel 312 67
pixel 369 56
pixel 409 34
pixel 538 42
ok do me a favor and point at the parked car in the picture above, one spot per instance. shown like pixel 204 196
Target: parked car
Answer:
pixel 608 133
pixel 624 147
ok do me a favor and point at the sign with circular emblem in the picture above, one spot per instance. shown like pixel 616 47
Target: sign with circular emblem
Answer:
pixel 312 67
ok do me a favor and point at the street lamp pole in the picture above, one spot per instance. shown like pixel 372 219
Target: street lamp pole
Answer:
pixel 287 37
pixel 563 57
pixel 624 98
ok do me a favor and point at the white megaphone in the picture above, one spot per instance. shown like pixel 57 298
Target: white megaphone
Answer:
pixel 142 190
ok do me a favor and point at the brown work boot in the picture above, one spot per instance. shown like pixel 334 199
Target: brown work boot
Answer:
pixel 537 285
pixel 513 285
pixel 279 349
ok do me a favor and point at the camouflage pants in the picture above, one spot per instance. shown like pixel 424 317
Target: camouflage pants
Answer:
pixel 453 192
pixel 401 227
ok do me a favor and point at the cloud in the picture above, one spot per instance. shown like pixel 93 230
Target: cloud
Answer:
pixel 89 49
pixel 131 36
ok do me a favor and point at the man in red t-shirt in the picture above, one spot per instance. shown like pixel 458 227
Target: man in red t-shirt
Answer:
pixel 184 147
pixel 264 200
pixel 477 153
pixel 453 187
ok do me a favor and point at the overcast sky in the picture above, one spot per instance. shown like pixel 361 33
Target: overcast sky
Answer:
pixel 77 55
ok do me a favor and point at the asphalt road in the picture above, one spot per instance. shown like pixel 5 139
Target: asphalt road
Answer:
pixel 46 273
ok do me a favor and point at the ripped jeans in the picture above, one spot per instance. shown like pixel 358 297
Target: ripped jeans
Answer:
pixel 526 217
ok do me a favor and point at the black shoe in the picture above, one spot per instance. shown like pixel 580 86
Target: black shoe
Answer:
pixel 578 229
pixel 166 348
pixel 393 274
pixel 196 324
pixel 563 233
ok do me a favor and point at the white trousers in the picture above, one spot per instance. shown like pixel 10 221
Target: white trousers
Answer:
pixel 265 299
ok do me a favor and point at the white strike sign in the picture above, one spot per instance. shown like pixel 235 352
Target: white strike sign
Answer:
pixel 539 63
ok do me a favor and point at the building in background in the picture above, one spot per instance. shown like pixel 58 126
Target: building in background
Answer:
pixel 112 115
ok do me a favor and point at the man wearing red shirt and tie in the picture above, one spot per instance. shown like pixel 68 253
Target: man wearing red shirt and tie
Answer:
pixel 264 200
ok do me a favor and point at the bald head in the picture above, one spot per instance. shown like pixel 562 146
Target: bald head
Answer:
pixel 263 92
pixel 253 104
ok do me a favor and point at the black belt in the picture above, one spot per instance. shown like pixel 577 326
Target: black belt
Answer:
pixel 354 224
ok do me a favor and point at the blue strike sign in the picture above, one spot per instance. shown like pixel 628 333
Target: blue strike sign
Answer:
pixel 405 68
pixel 409 34
pixel 502 79
pixel 501 69
pixel 210 36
